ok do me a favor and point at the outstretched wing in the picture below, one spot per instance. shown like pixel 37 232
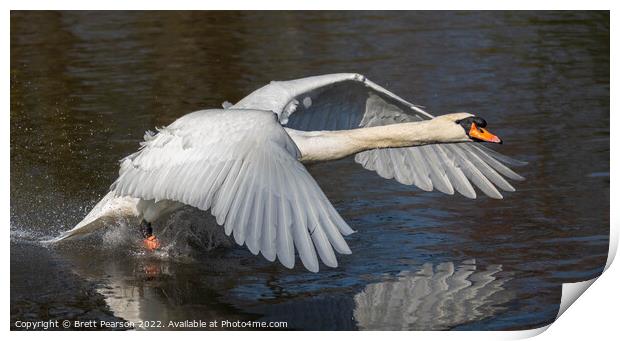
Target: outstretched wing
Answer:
pixel 243 166
pixel 347 101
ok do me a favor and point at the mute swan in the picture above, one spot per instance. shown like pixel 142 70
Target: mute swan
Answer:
pixel 244 163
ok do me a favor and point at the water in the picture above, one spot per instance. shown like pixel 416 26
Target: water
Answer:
pixel 85 86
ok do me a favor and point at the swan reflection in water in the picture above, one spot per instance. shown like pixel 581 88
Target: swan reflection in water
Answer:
pixel 149 287
pixel 163 285
pixel 433 298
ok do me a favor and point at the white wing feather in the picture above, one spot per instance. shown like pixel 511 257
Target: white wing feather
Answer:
pixel 242 166
pixel 349 100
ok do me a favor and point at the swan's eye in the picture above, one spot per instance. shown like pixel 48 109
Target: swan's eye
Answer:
pixel 481 122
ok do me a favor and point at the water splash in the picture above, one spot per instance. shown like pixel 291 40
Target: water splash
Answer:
pixel 185 235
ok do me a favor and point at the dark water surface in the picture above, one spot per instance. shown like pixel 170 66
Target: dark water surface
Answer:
pixel 85 87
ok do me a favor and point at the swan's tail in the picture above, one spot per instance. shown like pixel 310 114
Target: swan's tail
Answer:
pixel 109 209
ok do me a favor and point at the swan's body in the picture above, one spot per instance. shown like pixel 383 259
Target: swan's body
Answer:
pixel 244 163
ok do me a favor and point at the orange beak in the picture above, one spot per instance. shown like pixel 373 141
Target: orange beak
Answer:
pixel 483 134
pixel 151 243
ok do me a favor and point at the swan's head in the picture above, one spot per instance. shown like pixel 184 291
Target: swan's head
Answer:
pixel 473 127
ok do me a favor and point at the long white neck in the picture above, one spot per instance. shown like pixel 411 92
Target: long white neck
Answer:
pixel 332 145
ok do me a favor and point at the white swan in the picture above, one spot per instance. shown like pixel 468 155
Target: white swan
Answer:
pixel 244 163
